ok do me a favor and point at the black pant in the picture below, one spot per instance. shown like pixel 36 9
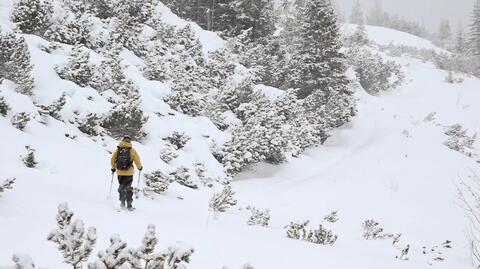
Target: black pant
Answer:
pixel 125 190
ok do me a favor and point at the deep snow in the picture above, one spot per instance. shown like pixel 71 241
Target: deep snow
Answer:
pixel 388 164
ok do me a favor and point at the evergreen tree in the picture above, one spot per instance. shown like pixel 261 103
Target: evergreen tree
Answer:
pixel 32 16
pixel 15 62
pixel 71 28
pixel 445 34
pixel 474 37
pixel 115 256
pixel 4 107
pixel 126 119
pixel 78 68
pixel 460 41
pixel 100 8
pixel 357 17
pixel 377 15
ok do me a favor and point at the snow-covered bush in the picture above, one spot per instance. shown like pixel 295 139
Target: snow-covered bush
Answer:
pixel 125 119
pixel 201 171
pixel 298 231
pixel 113 257
pixel 70 28
pixel 32 16
pixel 89 125
pixel 258 217
pixel 55 108
pixel 183 177
pixel 71 239
pixel 15 63
pixel 23 262
pixel 168 154
pixel 221 201
pixel 177 139
pixel 332 217
pixel 7 185
pixel 373 73
pixel 184 100
pixel 78 68
pixel 20 120
pixel 321 236
pixel 451 78
pixel 373 231
pixel 459 140
pixel 29 158
pixel 4 107
pixel 157 182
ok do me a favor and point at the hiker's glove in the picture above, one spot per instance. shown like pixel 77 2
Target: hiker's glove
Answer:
pixel 113 170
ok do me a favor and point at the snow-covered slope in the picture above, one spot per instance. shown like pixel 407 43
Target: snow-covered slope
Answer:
pixel 386 36
pixel 389 164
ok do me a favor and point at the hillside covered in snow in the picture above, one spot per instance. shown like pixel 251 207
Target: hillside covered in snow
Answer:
pixel 247 163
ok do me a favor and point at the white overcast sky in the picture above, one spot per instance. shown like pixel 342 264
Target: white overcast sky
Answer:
pixel 430 12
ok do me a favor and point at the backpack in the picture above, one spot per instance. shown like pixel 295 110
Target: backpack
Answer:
pixel 124 159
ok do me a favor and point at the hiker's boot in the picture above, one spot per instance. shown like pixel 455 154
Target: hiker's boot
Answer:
pixel 122 204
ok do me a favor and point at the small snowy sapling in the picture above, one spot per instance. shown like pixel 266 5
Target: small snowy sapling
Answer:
pixel 157 182
pixel 29 159
pixel 182 176
pixel 7 185
pixel 20 120
pixel 258 217
pixel 222 201
pixel 70 237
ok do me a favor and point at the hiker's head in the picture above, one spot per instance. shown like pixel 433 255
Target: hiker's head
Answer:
pixel 127 139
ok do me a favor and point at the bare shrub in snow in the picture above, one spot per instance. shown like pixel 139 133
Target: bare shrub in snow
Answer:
pixel 157 182
pixel 332 217
pixel 23 262
pixel 221 201
pixel 375 74
pixel 459 140
pixel 182 176
pixel 20 120
pixel 29 158
pixel 168 154
pixel 70 237
pixel 403 253
pixel 32 16
pixel 89 125
pixel 4 107
pixel 179 140
pixel 125 119
pixel 7 185
pixel 15 63
pixel 78 69
pixel 258 217
pixel 322 236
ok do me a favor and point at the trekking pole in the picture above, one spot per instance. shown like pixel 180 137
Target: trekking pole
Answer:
pixel 137 190
pixel 111 184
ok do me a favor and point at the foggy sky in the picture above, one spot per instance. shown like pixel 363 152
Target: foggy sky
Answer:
pixel 430 12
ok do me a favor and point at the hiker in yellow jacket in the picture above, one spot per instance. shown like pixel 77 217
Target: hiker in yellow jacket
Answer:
pixel 122 163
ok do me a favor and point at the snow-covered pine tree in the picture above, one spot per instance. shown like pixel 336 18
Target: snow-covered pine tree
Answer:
pixel 357 16
pixel 178 139
pixel 474 36
pixel 4 107
pixel 70 237
pixel 134 11
pixel 156 62
pixel 321 66
pixel 32 16
pixel 54 110
pixel 100 8
pixel 220 67
pixel 78 68
pixel 460 41
pixel 168 154
pixel 71 28
pixel 7 184
pixel 258 217
pixel 222 201
pixel 377 16
pixel 445 36
pixel 144 256
pixel 15 64
pixel 257 15
pixel 359 37
pixel 114 257
pixel 23 262
pixel 126 118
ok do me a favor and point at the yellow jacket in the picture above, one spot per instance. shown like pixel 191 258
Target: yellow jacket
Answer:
pixel 135 158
